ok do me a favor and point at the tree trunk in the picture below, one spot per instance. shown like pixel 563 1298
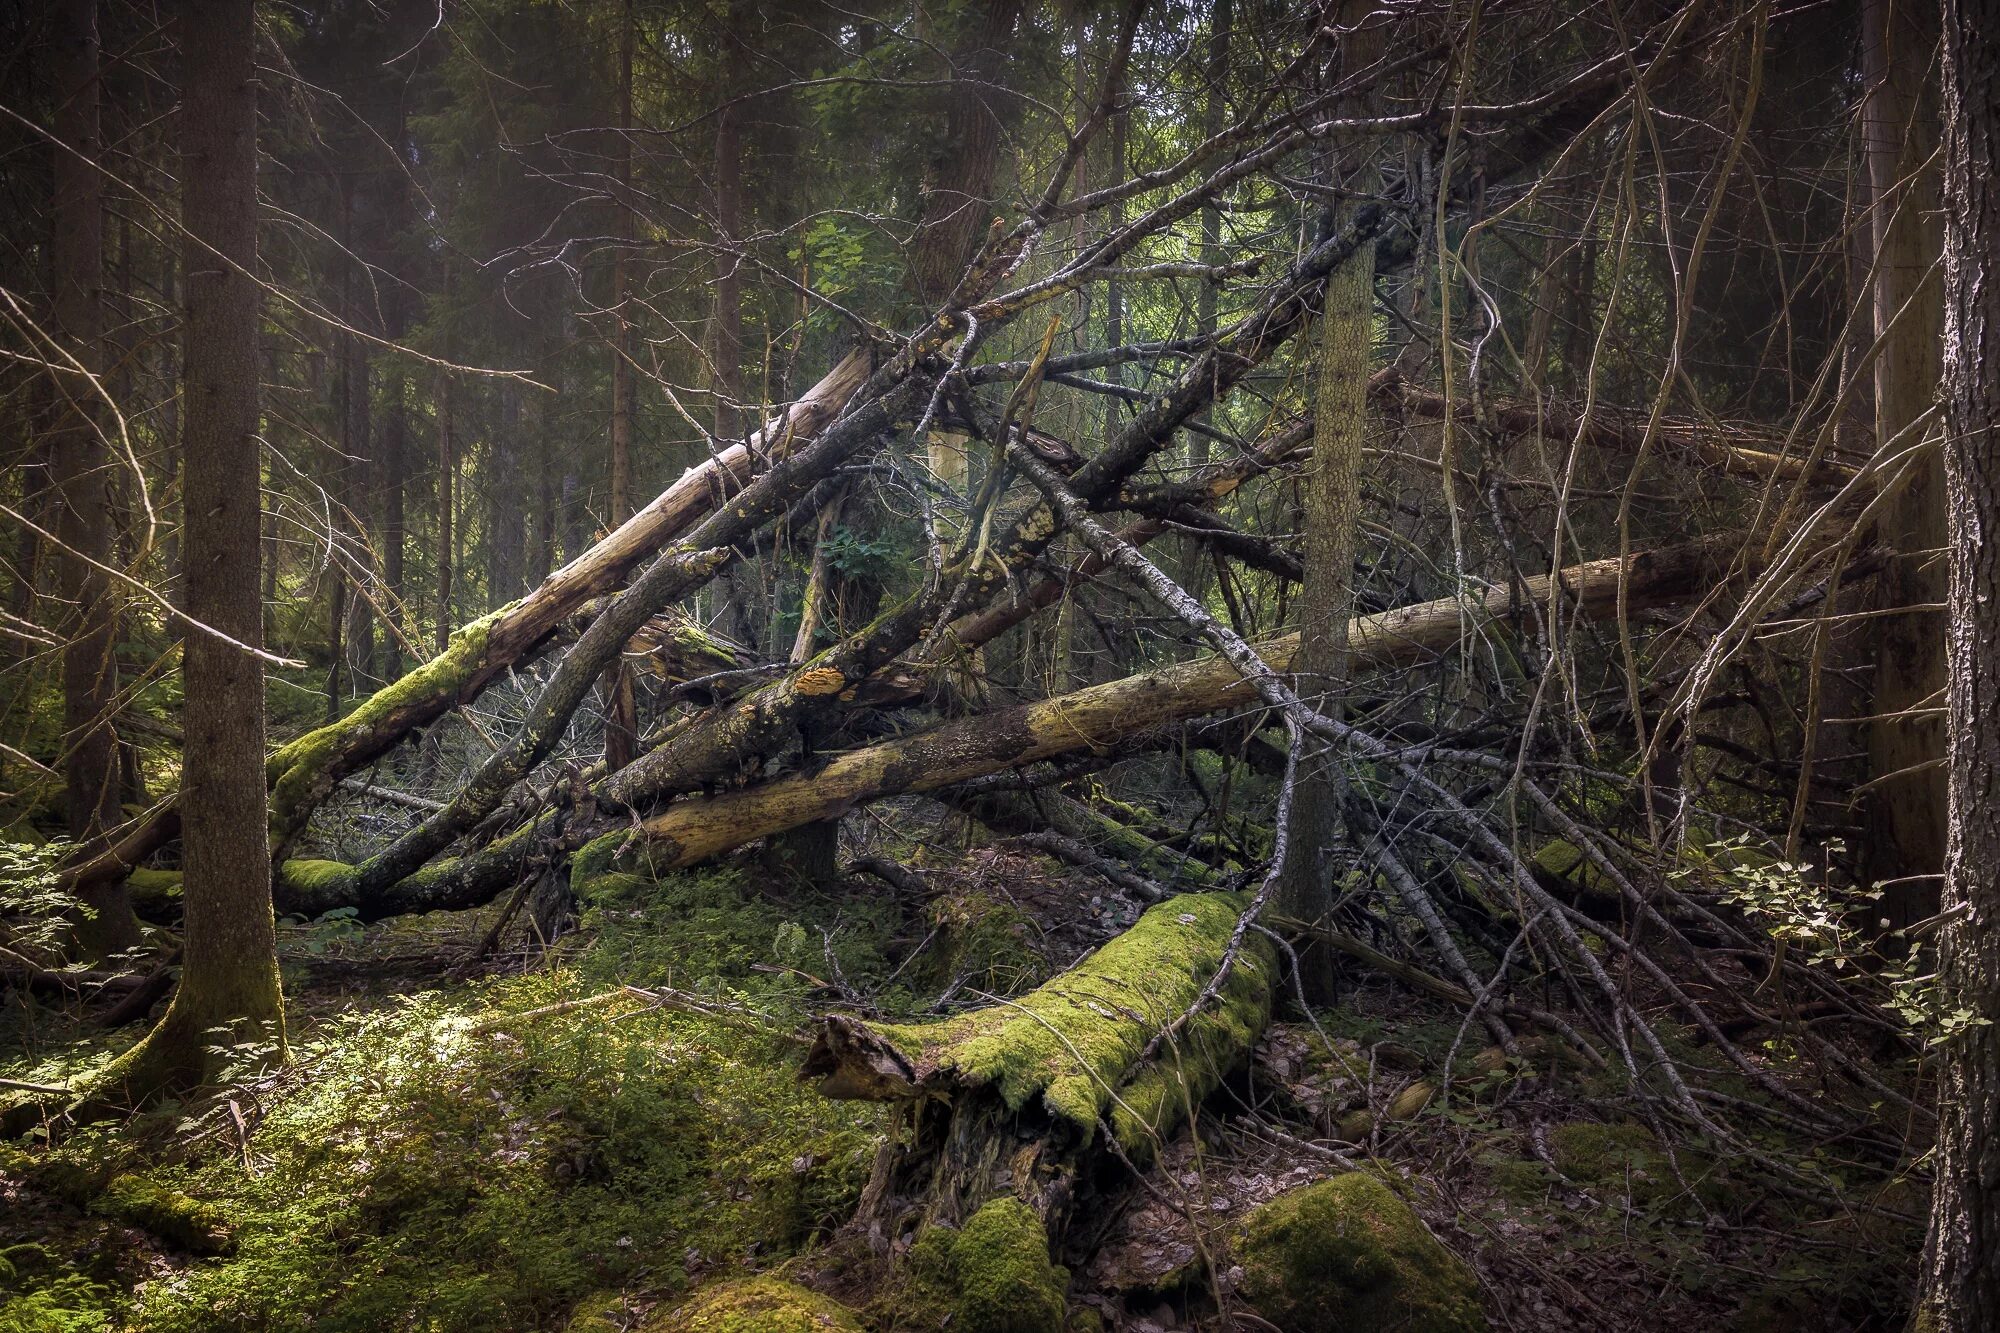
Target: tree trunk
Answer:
pixel 506 504
pixel 1305 888
pixel 229 973
pixel 697 828
pixel 961 176
pixel 1961 1273
pixel 691 831
pixel 621 723
pixel 1906 811
pixel 82 473
pixel 447 499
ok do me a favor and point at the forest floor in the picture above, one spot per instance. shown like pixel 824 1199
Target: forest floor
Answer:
pixel 515 1142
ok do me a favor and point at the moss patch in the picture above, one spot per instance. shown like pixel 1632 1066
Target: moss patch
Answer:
pixel 1628 1159
pixel 1348 1254
pixel 993 1275
pixel 756 1305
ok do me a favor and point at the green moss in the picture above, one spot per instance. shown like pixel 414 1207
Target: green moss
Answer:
pixel 1076 1042
pixel 153 891
pixel 1348 1254
pixel 183 1222
pixel 756 1305
pixel 982 943
pixel 321 884
pixel 993 1275
pixel 480 1164
pixel 1005 1281
pixel 1629 1160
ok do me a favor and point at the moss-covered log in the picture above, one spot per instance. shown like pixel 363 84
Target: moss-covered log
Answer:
pixel 1011 1098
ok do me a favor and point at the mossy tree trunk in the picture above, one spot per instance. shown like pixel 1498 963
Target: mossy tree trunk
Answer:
pixel 229 975
pixel 303 771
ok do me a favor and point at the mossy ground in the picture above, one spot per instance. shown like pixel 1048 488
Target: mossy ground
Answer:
pixel 455 1160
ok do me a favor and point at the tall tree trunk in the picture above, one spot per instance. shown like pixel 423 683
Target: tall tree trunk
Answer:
pixel 447 499
pixel 395 469
pixel 1305 890
pixel 506 504
pixel 961 175
pixel 621 722
pixel 229 970
pixel 1906 811
pixel 1961 1274
pixel 82 474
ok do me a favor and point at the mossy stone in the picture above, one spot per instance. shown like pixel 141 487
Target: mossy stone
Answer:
pixel 1356 1126
pixel 1002 1274
pixel 1347 1254
pixel 756 1305
pixel 1411 1101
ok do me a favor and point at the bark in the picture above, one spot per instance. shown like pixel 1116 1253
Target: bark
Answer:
pixel 1961 1272
pixel 447 501
pixel 1014 1099
pixel 621 723
pixel 960 188
pixel 229 974
pixel 676 573
pixel 506 504
pixel 303 771
pixel 1305 884
pixel 1906 810
pixel 82 475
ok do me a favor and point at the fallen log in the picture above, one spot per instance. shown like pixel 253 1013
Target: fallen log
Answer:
pixel 693 830
pixel 1015 1098
pixel 302 771
pixel 697 828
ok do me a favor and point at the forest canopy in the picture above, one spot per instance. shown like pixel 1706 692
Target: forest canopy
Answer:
pixel 978 665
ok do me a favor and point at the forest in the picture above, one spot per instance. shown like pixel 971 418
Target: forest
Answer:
pixel 999 666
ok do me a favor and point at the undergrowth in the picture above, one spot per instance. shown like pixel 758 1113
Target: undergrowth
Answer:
pixel 476 1158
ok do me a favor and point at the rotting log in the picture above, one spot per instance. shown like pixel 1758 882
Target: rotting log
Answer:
pixel 1016 1097
pixel 302 771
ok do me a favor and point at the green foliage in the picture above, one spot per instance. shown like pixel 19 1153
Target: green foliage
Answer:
pixel 34 908
pixel 1346 1253
pixel 1830 928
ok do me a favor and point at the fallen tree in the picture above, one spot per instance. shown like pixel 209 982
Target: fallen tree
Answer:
pixel 697 828
pixel 1020 1098
pixel 302 771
